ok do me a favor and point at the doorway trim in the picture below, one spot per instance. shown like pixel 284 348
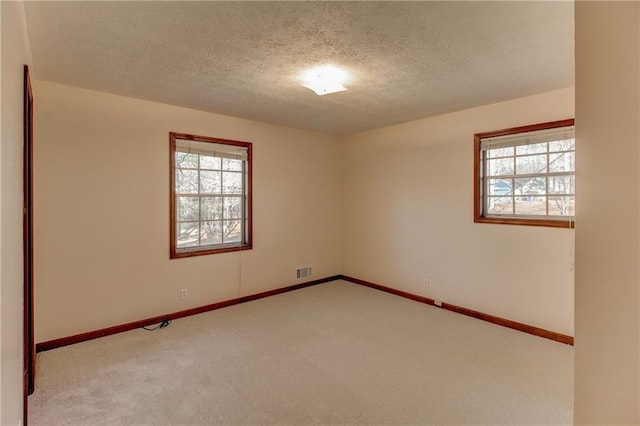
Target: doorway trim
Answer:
pixel 27 235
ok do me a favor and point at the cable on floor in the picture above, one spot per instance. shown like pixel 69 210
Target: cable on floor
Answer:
pixel 163 324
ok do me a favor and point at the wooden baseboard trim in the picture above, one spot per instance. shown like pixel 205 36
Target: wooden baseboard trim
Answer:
pixel 400 293
pixel 558 337
pixel 70 340
pixel 82 337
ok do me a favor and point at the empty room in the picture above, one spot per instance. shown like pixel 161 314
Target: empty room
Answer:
pixel 320 212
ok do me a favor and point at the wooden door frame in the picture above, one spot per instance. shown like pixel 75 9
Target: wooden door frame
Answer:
pixel 27 234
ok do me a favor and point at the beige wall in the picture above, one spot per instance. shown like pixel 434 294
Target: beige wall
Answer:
pixel 100 264
pixel 15 53
pixel 409 216
pixel 607 339
pixel 102 214
pixel 102 211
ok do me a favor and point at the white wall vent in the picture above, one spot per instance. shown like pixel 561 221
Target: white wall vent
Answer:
pixel 303 272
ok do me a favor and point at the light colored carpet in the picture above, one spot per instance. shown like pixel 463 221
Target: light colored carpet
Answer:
pixel 336 353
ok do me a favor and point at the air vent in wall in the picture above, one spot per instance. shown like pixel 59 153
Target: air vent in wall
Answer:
pixel 303 272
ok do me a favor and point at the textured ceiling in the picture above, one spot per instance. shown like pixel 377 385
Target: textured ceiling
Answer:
pixel 407 60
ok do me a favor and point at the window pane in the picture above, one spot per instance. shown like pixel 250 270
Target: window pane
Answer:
pixel 565 145
pixel 185 160
pixel 187 234
pixel 232 183
pixel 500 152
pixel 561 184
pixel 210 182
pixel 233 208
pixel 211 233
pixel 188 208
pixel 531 206
pixel 210 163
pixel 562 206
pixel 231 164
pixel 186 181
pixel 500 205
pixel 562 162
pixel 531 164
pixel 527 173
pixel 211 208
pixel 531 149
pixel 210 194
pixel 530 186
pixel 503 166
pixel 232 231
pixel 500 186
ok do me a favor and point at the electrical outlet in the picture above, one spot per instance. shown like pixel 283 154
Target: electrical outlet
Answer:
pixel 426 282
pixel 184 294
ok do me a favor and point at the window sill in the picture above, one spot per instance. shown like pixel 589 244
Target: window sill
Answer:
pixel 177 254
pixel 527 222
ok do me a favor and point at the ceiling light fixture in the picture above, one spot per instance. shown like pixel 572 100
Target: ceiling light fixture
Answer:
pixel 324 79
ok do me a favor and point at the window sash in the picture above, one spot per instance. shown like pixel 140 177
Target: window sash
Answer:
pixel 512 195
pixel 215 151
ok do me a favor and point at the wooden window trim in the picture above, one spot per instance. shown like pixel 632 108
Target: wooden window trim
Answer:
pixel 174 253
pixel 478 196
